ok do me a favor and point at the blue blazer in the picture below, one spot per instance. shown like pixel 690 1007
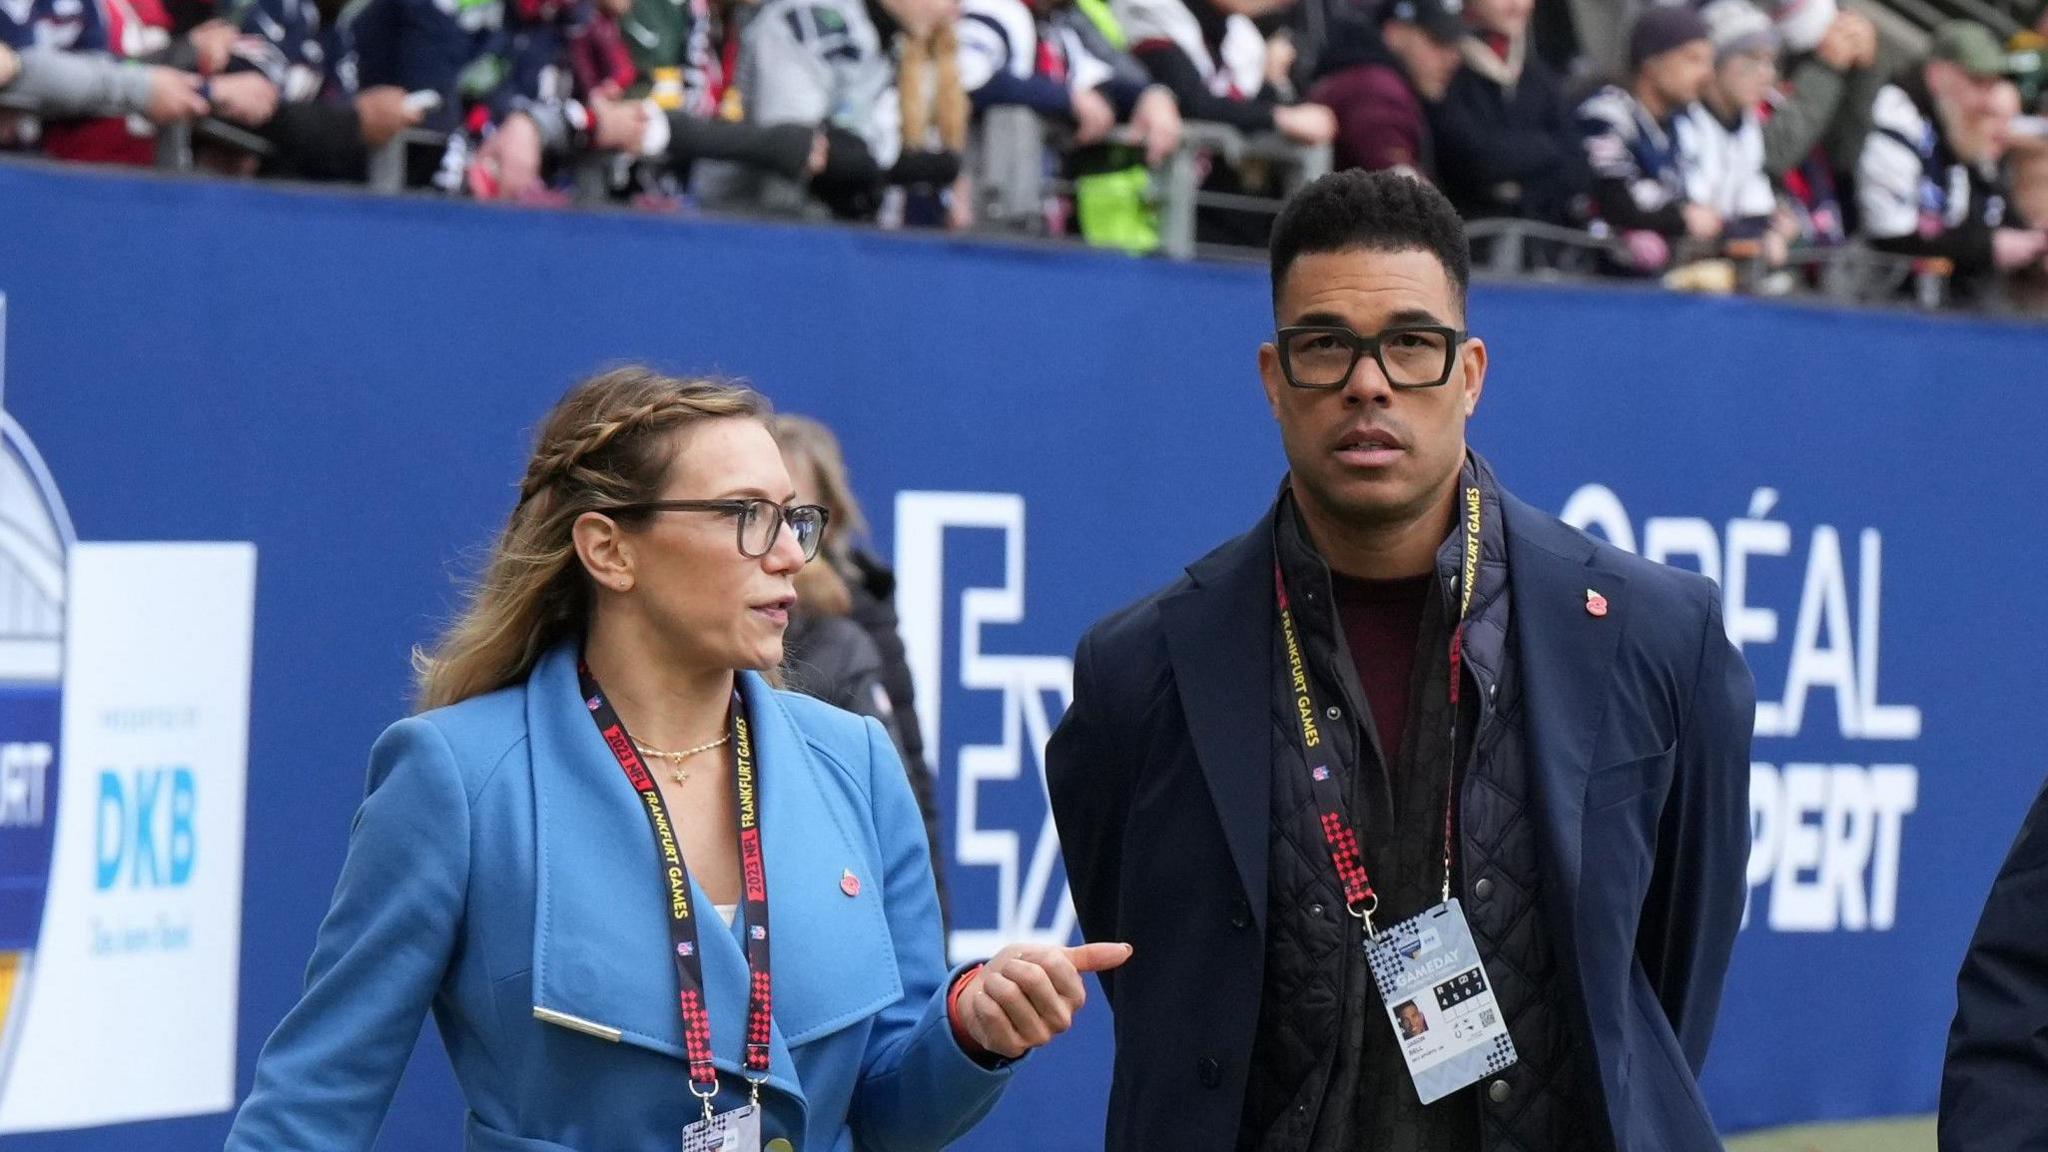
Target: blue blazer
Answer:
pixel 501 870
pixel 1638 737
pixel 1996 1078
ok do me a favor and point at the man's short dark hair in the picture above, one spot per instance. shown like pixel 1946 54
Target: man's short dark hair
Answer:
pixel 1377 211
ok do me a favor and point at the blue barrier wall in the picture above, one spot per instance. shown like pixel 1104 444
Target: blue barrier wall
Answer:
pixel 350 383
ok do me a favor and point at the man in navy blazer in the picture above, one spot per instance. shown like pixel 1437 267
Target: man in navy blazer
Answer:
pixel 1994 1088
pixel 1582 705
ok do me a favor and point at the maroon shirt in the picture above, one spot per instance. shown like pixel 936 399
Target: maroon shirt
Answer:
pixel 1382 622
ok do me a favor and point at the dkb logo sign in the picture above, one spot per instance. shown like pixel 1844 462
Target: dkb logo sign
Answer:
pixel 145 835
pixel 124 719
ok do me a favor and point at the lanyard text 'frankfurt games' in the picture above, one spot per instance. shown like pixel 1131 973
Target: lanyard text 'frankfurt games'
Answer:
pixel 1338 833
pixel 683 915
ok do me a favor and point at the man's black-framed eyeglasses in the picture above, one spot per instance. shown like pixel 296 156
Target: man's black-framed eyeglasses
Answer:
pixel 1323 356
pixel 758 520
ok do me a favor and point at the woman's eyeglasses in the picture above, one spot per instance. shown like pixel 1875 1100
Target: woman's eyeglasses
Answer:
pixel 759 520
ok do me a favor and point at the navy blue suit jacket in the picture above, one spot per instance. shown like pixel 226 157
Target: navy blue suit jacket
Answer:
pixel 1639 728
pixel 1994 1091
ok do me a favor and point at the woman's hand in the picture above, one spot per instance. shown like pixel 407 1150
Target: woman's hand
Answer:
pixel 1029 993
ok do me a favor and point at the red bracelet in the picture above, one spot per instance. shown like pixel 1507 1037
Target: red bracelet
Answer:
pixel 960 1034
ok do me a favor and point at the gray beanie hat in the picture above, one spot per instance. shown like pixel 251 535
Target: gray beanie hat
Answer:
pixel 1738 27
pixel 1660 29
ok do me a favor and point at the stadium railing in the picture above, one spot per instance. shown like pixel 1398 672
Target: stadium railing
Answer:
pixel 1014 180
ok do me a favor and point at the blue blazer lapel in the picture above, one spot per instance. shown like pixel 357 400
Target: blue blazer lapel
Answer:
pixel 1567 657
pixel 1219 637
pixel 600 938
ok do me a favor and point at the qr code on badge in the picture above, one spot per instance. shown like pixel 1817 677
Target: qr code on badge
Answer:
pixel 1486 1018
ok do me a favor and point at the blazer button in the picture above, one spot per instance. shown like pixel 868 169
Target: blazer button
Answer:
pixel 1240 915
pixel 1483 887
pixel 1497 1091
pixel 1210 1072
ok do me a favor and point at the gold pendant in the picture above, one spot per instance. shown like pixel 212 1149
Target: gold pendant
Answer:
pixel 679 774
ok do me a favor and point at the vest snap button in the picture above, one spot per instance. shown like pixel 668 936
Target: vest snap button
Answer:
pixel 1497 1091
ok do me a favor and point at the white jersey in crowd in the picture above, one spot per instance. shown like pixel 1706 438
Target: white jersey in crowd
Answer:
pixel 1241 69
pixel 998 36
pixel 1902 188
pixel 1724 167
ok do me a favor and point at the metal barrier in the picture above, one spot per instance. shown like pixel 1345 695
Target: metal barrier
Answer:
pixel 387 165
pixel 1508 247
pixel 591 173
pixel 1008 159
pixel 232 135
pixel 1181 194
pixel 1852 273
pixel 1006 154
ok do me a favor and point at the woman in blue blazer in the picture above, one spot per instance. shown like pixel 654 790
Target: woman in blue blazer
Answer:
pixel 604 818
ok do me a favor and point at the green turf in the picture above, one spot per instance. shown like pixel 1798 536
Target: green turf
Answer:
pixel 1914 1134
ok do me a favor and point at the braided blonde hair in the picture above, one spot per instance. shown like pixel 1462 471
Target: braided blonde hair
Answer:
pixel 936 56
pixel 606 443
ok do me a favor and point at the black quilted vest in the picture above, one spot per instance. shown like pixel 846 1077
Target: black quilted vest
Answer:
pixel 1326 1073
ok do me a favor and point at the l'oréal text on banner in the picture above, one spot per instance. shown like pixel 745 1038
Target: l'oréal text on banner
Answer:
pixel 124 720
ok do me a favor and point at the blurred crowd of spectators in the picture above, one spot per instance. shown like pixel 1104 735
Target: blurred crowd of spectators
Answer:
pixel 1739 139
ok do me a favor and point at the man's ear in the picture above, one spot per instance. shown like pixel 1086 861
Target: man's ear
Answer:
pixel 1473 361
pixel 1271 378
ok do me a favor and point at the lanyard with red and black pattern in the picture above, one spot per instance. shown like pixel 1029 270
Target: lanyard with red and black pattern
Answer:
pixel 1338 834
pixel 682 913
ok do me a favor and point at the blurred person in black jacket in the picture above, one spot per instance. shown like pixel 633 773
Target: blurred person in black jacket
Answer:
pixel 1995 1082
pixel 843 643
pixel 1506 143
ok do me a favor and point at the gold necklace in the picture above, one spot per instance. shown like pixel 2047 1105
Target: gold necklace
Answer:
pixel 677 772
